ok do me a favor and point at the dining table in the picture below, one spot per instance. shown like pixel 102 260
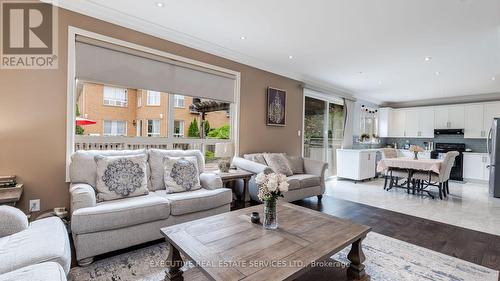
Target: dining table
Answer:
pixel 411 165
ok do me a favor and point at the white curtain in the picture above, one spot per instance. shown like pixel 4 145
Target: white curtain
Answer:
pixel 348 123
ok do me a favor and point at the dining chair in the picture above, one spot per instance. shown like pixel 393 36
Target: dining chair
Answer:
pixel 393 174
pixel 440 180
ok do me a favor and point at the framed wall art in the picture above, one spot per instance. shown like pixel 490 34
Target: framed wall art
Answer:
pixel 276 107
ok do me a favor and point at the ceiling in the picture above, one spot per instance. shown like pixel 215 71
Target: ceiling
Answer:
pixel 373 49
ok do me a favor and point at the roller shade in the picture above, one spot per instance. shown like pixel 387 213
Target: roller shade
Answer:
pixel 107 63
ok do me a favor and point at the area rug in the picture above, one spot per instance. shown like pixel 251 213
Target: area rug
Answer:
pixel 387 259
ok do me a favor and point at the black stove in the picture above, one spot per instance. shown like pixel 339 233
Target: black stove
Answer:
pixel 440 150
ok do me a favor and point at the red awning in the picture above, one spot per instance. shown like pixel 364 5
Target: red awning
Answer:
pixel 83 121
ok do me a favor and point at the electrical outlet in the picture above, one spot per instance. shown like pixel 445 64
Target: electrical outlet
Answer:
pixel 34 205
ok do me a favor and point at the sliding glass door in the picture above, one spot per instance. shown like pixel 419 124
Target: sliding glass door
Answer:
pixel 323 129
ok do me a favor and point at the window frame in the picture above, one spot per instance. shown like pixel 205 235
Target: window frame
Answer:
pixel 178 98
pixel 181 129
pixel 148 93
pixel 115 102
pixel 116 122
pixel 148 134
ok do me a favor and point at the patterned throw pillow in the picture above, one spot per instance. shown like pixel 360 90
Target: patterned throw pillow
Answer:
pixel 121 176
pixel 279 163
pixel 181 174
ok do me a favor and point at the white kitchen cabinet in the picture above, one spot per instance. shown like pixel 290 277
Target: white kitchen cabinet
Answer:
pixel 412 122
pixel 426 122
pixel 474 121
pixel 384 121
pixel 406 122
pixel 398 123
pixel 475 166
pixel 449 117
pixel 356 164
pixel 441 117
pixel 491 110
pixel 456 116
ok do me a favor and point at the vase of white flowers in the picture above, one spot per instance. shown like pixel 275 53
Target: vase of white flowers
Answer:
pixel 271 187
pixel 416 149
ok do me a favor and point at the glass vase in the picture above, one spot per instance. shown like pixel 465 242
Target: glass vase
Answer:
pixel 270 214
pixel 415 157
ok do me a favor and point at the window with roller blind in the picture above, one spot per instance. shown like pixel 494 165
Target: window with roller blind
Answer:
pixel 183 105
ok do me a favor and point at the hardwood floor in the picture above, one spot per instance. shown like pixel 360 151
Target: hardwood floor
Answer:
pixel 473 246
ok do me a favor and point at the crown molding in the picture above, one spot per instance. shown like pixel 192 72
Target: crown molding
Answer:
pixel 445 101
pixel 98 11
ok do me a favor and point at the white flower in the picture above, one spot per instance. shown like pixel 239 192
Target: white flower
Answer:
pixel 283 187
pixel 272 184
pixel 260 178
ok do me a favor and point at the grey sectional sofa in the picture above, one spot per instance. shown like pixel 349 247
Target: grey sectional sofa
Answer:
pixel 309 182
pixel 37 251
pixel 100 227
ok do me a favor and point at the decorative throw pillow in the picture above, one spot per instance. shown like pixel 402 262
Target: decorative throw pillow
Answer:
pixel 279 163
pixel 256 157
pixel 296 164
pixel 181 174
pixel 121 176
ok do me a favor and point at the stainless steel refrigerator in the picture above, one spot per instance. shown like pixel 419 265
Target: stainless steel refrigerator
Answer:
pixel 493 147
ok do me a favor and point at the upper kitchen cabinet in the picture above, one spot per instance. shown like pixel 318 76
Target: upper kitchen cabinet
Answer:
pixel 426 125
pixel 384 119
pixel 412 122
pixel 474 121
pixel 419 122
pixel 449 117
pixel 397 124
pixel 478 118
pixel 407 122
pixel 491 110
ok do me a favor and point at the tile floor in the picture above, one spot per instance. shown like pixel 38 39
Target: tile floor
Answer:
pixel 469 204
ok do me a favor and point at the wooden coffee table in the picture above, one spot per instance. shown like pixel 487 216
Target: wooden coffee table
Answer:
pixel 229 247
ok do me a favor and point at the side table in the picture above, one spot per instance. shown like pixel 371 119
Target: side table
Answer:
pixel 234 175
pixel 11 195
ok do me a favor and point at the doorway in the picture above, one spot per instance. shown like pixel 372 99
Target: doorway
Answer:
pixel 323 128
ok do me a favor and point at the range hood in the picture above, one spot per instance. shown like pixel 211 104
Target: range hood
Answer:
pixel 457 132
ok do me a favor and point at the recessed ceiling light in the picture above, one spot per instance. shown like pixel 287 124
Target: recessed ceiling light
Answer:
pixel 427 58
pixel 290 57
pixel 360 72
pixel 438 73
pixel 159 4
pixel 380 82
pixel 493 78
pixel 243 37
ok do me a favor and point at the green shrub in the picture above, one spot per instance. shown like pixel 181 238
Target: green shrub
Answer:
pixel 193 131
pixel 209 155
pixel 79 130
pixel 220 133
pixel 207 127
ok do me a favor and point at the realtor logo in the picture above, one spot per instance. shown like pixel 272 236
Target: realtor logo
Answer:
pixel 29 35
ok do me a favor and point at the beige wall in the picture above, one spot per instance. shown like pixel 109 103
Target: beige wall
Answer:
pixel 33 112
